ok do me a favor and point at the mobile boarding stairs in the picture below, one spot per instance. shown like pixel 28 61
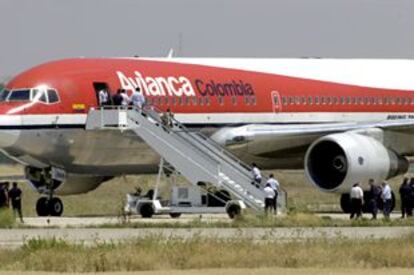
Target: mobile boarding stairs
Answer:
pixel 195 156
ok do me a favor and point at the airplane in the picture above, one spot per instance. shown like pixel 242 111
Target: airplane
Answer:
pixel 341 120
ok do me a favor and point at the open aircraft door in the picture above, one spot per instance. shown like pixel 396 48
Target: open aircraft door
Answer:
pixel 276 102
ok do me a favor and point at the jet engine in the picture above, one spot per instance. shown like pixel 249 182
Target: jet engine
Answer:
pixel 335 162
pixel 70 184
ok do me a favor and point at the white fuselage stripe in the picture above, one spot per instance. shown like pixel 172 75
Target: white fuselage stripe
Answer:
pixel 218 118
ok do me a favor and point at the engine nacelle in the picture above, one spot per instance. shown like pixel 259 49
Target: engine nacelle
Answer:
pixel 335 162
pixel 71 184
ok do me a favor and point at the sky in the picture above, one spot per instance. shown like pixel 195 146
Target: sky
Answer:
pixel 36 31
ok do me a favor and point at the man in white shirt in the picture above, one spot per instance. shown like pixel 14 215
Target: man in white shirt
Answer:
pixel 275 186
pixel 257 175
pixel 103 97
pixel 269 197
pixel 357 199
pixel 137 98
pixel 387 199
pixel 125 98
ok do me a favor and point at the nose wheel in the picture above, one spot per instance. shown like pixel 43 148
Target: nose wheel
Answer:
pixel 49 207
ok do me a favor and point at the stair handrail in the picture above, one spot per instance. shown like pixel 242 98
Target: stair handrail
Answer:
pixel 204 137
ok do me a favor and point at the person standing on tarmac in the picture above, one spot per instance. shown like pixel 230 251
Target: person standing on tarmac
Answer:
pixel 257 175
pixel 375 196
pixel 411 198
pixel 387 199
pixel 15 196
pixel 270 196
pixel 357 199
pixel 405 193
pixel 275 186
pixel 4 200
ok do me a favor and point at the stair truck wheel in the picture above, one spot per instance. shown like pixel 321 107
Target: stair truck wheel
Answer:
pixel 55 206
pixel 233 210
pixel 42 209
pixel 175 215
pixel 146 210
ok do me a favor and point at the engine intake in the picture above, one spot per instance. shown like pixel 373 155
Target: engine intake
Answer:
pixel 335 162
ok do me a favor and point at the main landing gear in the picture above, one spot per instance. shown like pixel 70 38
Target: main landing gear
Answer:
pixel 46 206
pixel 46 184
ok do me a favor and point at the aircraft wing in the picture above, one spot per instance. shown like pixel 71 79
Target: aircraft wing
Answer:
pixel 269 140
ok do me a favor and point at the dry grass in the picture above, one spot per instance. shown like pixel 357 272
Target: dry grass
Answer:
pixel 154 253
pixel 240 271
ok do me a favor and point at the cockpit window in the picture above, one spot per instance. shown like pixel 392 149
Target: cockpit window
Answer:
pixel 53 96
pixel 4 94
pixel 19 95
pixel 39 95
pixel 47 96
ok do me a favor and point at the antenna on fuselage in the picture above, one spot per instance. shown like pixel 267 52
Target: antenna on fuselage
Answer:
pixel 170 53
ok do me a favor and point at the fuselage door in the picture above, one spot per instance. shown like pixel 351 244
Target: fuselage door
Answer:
pixel 276 106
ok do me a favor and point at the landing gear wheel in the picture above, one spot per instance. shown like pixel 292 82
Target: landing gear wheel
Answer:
pixel 146 210
pixel 175 215
pixel 55 207
pixel 233 211
pixel 42 209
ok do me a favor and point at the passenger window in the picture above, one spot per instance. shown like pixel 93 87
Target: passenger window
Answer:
pixel 310 100
pixel 208 101
pixel 329 100
pixel 220 100
pixel 234 100
pixel 317 100
pixel 284 100
pixel 53 96
pixel 398 101
pixel 253 100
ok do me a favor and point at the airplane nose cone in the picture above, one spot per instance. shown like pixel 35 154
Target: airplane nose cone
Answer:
pixel 8 138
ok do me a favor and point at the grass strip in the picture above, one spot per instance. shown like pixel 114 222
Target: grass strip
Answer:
pixel 158 253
